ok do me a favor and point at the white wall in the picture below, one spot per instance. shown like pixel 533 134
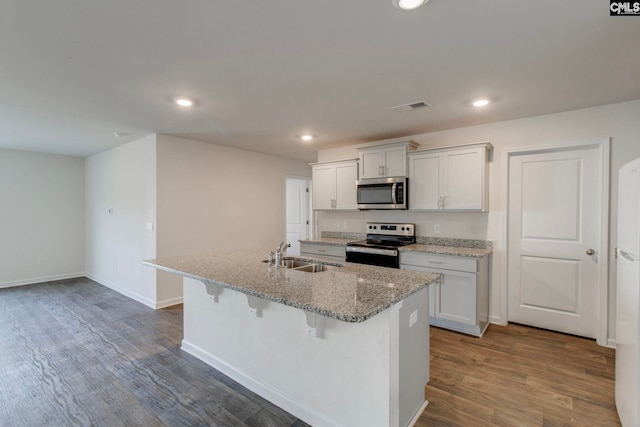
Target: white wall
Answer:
pixel 618 121
pixel 122 179
pixel 41 217
pixel 213 198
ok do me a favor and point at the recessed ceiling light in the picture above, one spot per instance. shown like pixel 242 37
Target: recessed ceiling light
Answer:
pixel 121 134
pixel 306 137
pixel 480 102
pixel 183 101
pixel 408 4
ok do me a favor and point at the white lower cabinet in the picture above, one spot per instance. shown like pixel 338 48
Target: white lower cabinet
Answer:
pixel 460 301
pixel 315 250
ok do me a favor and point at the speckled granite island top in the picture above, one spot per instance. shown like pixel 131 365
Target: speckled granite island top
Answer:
pixel 352 293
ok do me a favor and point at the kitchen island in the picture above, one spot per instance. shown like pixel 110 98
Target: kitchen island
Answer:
pixel 348 346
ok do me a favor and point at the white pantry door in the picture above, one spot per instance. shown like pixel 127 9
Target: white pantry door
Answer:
pixel 297 213
pixel 554 236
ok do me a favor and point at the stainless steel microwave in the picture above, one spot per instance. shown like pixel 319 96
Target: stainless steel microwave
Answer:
pixel 382 193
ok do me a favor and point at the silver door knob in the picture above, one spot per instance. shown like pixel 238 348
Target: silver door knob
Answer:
pixel 590 252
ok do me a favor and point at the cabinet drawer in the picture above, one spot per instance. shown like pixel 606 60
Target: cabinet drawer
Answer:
pixel 469 265
pixel 322 250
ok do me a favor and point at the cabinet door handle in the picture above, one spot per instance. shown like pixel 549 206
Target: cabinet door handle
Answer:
pixel 440 202
pixel 436 262
pixel 444 201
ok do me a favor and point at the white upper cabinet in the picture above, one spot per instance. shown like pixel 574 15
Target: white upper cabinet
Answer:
pixel 385 160
pixel 334 185
pixel 454 179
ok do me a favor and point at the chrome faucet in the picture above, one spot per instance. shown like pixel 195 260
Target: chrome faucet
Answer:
pixel 280 252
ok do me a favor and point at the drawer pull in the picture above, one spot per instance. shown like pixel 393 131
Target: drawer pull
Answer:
pixel 437 262
pixel 322 250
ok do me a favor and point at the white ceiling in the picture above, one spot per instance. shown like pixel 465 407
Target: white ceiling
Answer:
pixel 74 72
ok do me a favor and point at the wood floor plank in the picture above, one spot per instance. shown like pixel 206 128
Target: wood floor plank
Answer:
pixel 75 353
pixel 522 376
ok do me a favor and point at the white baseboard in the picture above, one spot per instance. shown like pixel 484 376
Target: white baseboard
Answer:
pixel 169 302
pixel 611 343
pixel 416 417
pixel 497 320
pixel 41 279
pixel 123 291
pixel 288 403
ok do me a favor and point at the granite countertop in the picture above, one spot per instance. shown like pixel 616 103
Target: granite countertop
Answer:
pixel 352 293
pixel 448 250
pixel 463 248
pixel 329 241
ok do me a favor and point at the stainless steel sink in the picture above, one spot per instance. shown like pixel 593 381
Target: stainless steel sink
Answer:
pixel 306 265
pixel 294 263
pixel 315 268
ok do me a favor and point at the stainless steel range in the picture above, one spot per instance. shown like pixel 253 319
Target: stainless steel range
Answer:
pixel 381 246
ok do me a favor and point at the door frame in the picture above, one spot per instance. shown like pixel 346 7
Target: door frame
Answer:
pixel 604 147
pixel 309 206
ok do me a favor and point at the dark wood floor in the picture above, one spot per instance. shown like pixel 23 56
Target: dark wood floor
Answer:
pixel 519 376
pixel 76 353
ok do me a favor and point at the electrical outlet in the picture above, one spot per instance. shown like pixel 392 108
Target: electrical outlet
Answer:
pixel 436 228
pixel 413 318
pixel 344 225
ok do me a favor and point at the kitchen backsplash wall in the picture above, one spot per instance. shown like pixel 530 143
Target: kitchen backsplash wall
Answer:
pixel 458 225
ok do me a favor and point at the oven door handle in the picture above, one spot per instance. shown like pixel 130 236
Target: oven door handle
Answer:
pixel 374 251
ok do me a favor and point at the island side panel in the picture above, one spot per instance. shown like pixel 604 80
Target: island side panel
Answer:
pixel 413 354
pixel 342 379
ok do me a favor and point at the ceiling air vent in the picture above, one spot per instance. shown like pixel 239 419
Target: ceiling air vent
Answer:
pixel 411 106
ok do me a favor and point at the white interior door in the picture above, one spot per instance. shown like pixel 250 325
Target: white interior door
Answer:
pixel 297 214
pixel 554 225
